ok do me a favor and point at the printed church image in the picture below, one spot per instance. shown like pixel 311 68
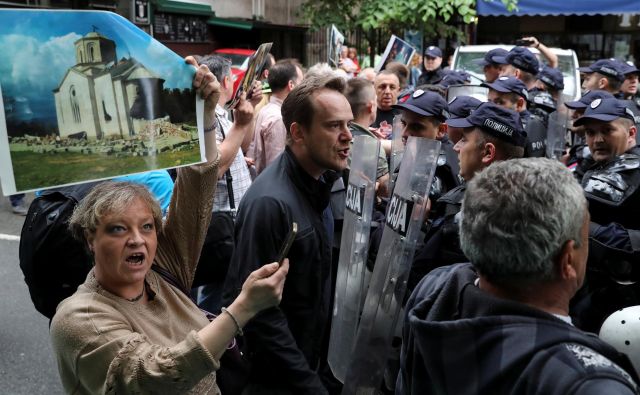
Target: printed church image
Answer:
pixel 102 97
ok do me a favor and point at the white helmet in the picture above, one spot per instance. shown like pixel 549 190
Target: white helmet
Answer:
pixel 622 330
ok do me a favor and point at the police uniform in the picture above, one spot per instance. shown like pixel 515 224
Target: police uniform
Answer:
pixel 632 104
pixel 445 178
pixel 442 245
pixel 430 104
pixel 494 57
pixel 435 76
pixel 533 125
pixel 612 189
pixel 579 155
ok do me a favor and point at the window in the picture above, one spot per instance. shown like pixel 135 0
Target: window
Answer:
pixel 75 107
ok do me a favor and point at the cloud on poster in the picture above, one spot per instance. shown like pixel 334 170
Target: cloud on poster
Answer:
pixel 28 62
pixel 161 60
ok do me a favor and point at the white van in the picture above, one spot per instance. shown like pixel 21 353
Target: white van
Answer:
pixel 567 63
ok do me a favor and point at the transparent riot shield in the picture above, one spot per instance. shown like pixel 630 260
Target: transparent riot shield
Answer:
pixel 479 92
pixel 350 281
pixel 405 215
pixel 557 127
pixel 558 130
pixel 397 150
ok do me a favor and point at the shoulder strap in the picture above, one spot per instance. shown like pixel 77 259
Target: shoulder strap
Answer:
pixel 227 174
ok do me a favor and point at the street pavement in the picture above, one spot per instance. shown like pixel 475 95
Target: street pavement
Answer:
pixel 27 365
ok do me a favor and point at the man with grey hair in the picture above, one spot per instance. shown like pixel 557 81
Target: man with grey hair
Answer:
pixel 500 324
pixel 233 172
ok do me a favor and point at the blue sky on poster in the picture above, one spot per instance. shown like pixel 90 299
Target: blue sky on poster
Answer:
pixel 37 48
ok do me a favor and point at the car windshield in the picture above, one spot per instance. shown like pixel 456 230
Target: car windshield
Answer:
pixel 464 61
pixel 237 60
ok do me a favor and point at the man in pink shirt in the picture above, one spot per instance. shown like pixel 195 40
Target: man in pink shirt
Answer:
pixel 270 134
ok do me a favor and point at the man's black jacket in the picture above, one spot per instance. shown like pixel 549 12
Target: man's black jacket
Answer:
pixel 284 343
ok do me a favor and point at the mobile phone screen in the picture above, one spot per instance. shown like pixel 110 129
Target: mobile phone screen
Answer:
pixel 288 242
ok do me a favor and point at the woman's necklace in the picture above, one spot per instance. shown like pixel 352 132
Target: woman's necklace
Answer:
pixel 137 298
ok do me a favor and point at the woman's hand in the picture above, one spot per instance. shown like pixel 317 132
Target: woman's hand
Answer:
pixel 206 84
pixel 263 288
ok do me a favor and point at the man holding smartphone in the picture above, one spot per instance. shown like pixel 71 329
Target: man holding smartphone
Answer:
pixel 287 344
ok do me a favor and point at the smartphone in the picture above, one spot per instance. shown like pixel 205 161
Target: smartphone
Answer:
pixel 524 43
pixel 288 242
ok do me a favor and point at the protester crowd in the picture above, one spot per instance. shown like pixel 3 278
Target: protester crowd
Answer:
pixel 521 259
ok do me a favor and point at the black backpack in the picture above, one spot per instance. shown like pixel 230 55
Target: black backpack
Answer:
pixel 54 264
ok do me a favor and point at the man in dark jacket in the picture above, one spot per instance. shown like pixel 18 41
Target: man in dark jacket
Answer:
pixel 611 183
pixel 432 72
pixel 500 324
pixel 285 343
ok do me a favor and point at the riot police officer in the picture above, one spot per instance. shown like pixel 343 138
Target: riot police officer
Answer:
pixel 612 188
pixel 490 133
pixel 460 107
pixel 424 115
pixel 551 80
pixel 521 64
pixel 579 150
pixel 628 89
pixel 511 93
pixel 492 63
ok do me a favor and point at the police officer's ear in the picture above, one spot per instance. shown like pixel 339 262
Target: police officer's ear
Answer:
pixel 603 83
pixel 521 104
pixel 442 131
pixel 488 153
pixel 633 131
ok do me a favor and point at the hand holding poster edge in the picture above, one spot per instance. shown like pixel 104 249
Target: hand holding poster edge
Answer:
pixel 391 53
pixel 255 66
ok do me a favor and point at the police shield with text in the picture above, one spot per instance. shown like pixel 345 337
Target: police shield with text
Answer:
pixel 387 288
pixel 350 283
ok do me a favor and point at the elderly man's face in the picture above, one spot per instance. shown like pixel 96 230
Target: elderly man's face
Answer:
pixel 387 90
pixel 606 140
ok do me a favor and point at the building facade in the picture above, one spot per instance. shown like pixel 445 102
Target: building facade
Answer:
pixel 101 96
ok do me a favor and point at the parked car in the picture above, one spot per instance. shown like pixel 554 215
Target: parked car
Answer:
pixel 239 62
pixel 567 63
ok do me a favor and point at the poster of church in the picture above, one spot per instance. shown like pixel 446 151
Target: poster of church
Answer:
pixel 86 95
